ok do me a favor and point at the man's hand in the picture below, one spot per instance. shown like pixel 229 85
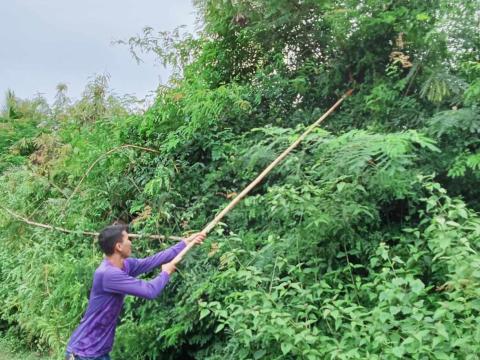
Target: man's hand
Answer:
pixel 169 268
pixel 196 238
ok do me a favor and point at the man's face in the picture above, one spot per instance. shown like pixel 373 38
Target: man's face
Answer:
pixel 124 247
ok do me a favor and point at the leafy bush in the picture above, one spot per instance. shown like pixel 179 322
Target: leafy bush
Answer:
pixel 363 243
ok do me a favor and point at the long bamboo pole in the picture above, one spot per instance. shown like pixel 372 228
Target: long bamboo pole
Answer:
pixel 260 177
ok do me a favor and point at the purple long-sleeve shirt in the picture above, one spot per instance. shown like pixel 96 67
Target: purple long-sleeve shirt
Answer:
pixel 94 336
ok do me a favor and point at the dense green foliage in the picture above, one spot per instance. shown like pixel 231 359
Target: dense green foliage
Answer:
pixel 362 244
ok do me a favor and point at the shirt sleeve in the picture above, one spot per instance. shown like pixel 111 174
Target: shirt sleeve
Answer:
pixel 140 266
pixel 119 282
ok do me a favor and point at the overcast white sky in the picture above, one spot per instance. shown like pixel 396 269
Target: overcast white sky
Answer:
pixel 44 42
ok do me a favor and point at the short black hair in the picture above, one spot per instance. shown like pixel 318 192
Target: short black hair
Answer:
pixel 108 238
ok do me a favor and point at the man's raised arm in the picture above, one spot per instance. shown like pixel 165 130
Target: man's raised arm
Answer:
pixel 117 281
pixel 140 266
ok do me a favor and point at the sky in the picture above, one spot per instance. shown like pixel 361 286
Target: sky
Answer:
pixel 45 42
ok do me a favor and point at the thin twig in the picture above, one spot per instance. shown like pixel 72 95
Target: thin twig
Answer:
pixel 51 183
pixel 97 160
pixel 89 233
pixel 354 284
pixel 134 184
pixel 273 275
pixel 412 78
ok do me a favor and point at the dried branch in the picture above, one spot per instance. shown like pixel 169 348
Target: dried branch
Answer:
pixel 89 233
pixel 95 163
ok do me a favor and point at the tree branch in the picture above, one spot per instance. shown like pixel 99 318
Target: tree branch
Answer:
pixel 89 233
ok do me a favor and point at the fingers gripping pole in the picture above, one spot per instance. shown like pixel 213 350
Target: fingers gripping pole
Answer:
pixel 262 175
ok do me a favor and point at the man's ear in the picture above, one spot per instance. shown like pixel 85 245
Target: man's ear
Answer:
pixel 118 246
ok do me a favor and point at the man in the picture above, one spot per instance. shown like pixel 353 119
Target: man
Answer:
pixel 113 279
